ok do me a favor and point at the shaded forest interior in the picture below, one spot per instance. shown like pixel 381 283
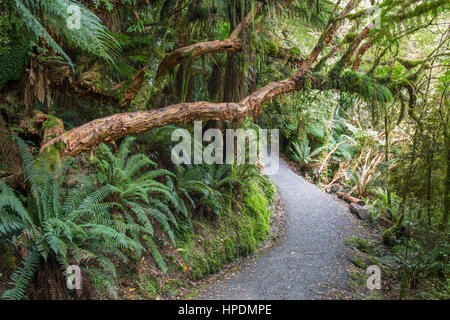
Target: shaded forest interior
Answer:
pixel 91 92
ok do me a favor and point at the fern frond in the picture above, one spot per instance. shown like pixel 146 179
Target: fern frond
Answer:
pixel 22 276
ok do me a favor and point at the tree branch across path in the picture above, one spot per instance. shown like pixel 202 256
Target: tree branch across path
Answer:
pixel 120 125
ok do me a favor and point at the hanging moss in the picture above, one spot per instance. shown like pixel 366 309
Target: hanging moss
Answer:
pixel 410 64
pixel 427 7
pixel 363 84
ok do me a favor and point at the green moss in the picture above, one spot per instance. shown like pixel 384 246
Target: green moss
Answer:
pixel 52 122
pixel 363 84
pixel 349 37
pixel 200 268
pixel 49 158
pixel 409 64
pixel 352 80
pixel 149 286
pixel 229 247
pixel 234 233
pixel 257 206
pixel 246 237
pixel 270 48
pixel 295 52
pixel 217 258
pixel 172 286
pixel 269 190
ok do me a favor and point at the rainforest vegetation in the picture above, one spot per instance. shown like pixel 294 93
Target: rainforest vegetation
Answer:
pixel 92 90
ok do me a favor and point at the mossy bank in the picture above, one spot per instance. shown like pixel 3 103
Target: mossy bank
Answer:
pixel 203 247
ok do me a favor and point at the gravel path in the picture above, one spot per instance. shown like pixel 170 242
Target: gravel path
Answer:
pixel 309 263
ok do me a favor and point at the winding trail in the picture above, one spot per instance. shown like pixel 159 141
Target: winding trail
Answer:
pixel 308 263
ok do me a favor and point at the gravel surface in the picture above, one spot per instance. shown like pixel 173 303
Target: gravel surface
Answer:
pixel 309 263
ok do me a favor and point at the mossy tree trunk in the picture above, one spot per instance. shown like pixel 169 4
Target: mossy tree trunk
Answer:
pixel 10 154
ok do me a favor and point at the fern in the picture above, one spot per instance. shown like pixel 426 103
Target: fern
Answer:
pixel 140 196
pixel 91 37
pixel 82 228
pixel 302 153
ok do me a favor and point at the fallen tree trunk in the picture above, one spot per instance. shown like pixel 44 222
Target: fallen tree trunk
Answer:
pixel 348 198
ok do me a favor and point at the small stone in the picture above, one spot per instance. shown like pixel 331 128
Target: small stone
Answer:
pixel 360 211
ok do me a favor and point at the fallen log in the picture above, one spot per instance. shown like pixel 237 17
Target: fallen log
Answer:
pixel 348 198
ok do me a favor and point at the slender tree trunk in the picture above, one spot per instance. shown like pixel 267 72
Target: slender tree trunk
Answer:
pixel 443 226
pixel 429 189
pixel 387 131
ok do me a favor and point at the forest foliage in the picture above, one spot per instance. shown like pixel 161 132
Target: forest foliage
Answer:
pixel 358 90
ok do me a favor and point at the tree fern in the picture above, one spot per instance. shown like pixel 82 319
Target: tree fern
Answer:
pixel 91 37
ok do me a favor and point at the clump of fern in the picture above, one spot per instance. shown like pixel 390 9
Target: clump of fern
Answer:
pixel 202 187
pixel 57 227
pixel 138 194
pixel 303 154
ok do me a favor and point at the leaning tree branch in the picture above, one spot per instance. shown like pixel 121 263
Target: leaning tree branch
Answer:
pixel 120 125
pixel 184 54
pixel 354 45
pixel 361 51
pixel 325 39
pixel 232 44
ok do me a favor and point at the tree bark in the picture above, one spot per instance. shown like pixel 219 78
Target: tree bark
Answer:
pixel 123 124
pixel 184 54
pixel 348 198
pixel 359 55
